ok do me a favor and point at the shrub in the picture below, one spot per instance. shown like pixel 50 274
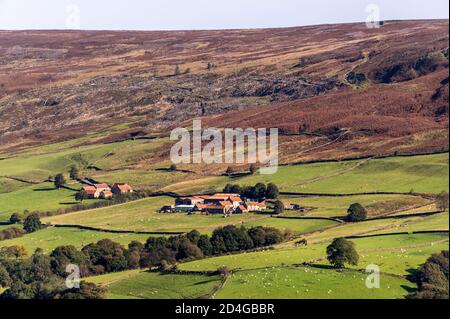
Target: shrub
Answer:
pixel 10 233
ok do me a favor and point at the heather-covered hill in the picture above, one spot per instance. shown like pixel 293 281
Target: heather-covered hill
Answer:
pixel 375 89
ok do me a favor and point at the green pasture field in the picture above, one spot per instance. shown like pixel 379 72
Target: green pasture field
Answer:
pixel 147 285
pixel 50 238
pixel 426 174
pixel 434 222
pixel 309 283
pixel 8 185
pixel 45 161
pixel 254 260
pixel 143 215
pixel 297 226
pixel 149 179
pixel 41 197
pixel 317 252
pixel 376 205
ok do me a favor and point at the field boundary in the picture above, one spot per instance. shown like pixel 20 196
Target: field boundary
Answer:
pixel 356 158
pixel 400 233
pixel 298 194
pixel 424 214
pixel 116 231
pixel 311 218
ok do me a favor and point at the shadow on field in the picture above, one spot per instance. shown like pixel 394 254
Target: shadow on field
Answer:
pixel 44 189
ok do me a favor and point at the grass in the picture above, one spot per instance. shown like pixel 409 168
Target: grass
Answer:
pixel 295 225
pixel 375 204
pixel 309 283
pixel 38 164
pixel 434 222
pixel 41 197
pixel 317 252
pixel 142 178
pixel 50 238
pixel 147 285
pixel 427 174
pixel 142 215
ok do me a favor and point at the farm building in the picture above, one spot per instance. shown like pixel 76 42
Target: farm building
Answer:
pixel 190 200
pixel 118 189
pixel 255 206
pixel 98 192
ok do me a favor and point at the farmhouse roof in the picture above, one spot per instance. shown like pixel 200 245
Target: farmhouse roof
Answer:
pixel 103 185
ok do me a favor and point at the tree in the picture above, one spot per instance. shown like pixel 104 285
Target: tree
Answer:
pixel 15 218
pixel 260 191
pixel 74 172
pixel 59 181
pixel 342 251
pixel 13 252
pixel 177 70
pixel 65 255
pixel 5 280
pixel 278 207
pixel 32 223
pixel 432 278
pixel 81 196
pixel 356 213
pixel 205 245
pixel 229 171
pixel 87 290
pixel 442 201
pixel 272 191
pixel 253 169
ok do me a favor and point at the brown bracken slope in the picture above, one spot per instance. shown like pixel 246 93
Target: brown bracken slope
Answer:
pixel 334 90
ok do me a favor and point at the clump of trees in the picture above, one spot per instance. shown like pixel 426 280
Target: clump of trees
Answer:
pixel 432 278
pixel 42 276
pixel 442 201
pixel 259 192
pixel 342 251
pixel 36 278
pixel 356 213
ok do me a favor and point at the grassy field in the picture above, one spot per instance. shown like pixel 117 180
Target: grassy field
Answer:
pixel 427 174
pixel 142 215
pixel 420 245
pixel 295 225
pixel 309 283
pixel 41 197
pixel 50 238
pixel 376 205
pixel 137 284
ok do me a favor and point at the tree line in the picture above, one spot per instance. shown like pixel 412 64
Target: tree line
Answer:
pixel 258 192
pixel 42 276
